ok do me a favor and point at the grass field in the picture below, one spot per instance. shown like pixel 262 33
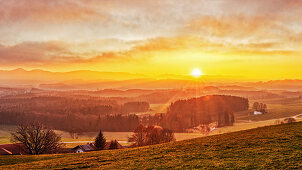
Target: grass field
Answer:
pixel 278 146
pixel 277 108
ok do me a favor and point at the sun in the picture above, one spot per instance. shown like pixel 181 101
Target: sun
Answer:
pixel 196 72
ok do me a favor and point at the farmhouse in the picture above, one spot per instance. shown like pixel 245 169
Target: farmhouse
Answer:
pixel 84 148
pixel 257 113
pixel 90 147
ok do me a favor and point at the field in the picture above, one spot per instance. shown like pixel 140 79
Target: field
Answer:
pixel 277 108
pixel 278 146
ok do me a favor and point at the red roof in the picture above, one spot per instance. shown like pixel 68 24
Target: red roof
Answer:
pixel 119 146
pixel 12 149
pixel 86 148
pixel 91 147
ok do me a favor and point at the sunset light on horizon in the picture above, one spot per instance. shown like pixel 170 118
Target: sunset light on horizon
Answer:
pixel 246 39
pixel 150 84
pixel 196 73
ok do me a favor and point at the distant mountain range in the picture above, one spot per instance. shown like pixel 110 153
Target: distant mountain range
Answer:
pixel 86 79
pixel 42 75
pixel 96 80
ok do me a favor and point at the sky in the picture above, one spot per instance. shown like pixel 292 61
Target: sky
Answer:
pixel 253 40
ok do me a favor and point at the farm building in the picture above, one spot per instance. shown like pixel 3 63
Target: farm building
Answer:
pixel 90 147
pixel 84 148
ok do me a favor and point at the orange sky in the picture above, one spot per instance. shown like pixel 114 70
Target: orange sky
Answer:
pixel 254 40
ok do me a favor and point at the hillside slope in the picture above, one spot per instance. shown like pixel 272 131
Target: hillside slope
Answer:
pixel 277 146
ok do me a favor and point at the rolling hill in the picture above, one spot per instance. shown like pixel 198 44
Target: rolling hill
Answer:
pixel 278 146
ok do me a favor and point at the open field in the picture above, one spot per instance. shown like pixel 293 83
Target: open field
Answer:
pixel 156 108
pixel 123 136
pixel 278 146
pixel 277 108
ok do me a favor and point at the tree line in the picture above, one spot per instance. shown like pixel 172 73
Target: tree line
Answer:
pixel 66 105
pixel 260 107
pixel 184 114
pixel 74 123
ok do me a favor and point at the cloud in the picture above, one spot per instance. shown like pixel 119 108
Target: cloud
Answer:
pixel 80 20
pixel 45 11
pixel 64 53
pixel 30 52
pixel 238 27
pixel 145 34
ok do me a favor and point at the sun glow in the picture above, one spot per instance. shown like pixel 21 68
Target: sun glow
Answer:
pixel 196 72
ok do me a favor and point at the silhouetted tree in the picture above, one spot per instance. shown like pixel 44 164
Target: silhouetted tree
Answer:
pixel 151 135
pixel 139 136
pixel 100 141
pixel 256 106
pixel 260 107
pixel 37 139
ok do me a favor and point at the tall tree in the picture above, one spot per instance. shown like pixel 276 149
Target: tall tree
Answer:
pixel 100 141
pixel 37 139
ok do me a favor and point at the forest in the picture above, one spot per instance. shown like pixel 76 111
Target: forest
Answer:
pixel 184 114
pixel 84 115
pixel 66 105
pixel 72 114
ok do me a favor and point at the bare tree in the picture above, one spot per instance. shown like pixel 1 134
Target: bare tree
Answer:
pixel 139 136
pixel 151 135
pixel 37 139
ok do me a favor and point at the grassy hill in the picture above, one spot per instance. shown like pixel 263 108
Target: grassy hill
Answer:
pixel 278 146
